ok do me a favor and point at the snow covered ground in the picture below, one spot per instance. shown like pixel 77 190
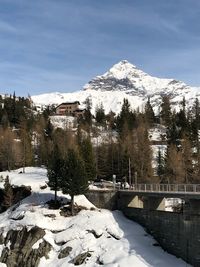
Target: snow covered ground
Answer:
pixel 112 101
pixel 111 239
pixel 63 122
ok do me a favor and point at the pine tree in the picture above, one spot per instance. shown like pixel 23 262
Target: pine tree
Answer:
pixel 160 165
pixel 112 160
pixel 181 119
pixel 143 155
pixel 40 144
pixel 100 115
pixel 8 194
pixel 196 176
pixel 173 133
pixel 74 177
pixel 4 120
pixel 174 165
pixel 54 173
pixel 86 152
pixel 49 129
pixel 126 118
pixel 14 119
pixel 102 161
pixel 125 164
pixel 88 114
pixel 166 113
pixel 25 136
pixel 7 151
pixel 195 122
pixel 149 113
pixel 187 157
pixel 111 120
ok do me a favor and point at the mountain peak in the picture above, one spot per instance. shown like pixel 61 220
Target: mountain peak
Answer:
pixel 124 80
pixel 124 62
pixel 123 70
pixel 120 77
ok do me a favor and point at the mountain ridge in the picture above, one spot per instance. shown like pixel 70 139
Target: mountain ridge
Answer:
pixel 125 80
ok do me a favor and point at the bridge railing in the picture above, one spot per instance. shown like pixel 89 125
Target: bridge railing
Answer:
pixel 189 188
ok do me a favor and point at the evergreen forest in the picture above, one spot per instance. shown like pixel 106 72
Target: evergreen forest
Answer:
pixel 28 138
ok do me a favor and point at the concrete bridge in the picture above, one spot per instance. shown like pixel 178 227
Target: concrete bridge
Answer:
pixel 177 232
pixel 155 200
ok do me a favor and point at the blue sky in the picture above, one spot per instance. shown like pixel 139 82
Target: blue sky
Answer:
pixel 59 45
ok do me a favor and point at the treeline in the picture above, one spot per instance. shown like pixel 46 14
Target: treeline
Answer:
pixel 129 155
pixel 27 138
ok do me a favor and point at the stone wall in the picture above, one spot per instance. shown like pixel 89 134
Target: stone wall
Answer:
pixel 177 233
pixel 104 199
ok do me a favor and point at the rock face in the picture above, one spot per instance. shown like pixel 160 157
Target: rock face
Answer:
pixel 124 80
pixel 19 193
pixel 124 76
pixel 18 249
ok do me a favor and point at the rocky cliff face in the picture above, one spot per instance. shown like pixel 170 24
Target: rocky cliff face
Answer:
pixel 18 247
pixel 124 76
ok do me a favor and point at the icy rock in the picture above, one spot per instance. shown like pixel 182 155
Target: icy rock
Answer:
pixel 64 252
pixel 81 258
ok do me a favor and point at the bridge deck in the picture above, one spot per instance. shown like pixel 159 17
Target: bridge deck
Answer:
pixel 163 194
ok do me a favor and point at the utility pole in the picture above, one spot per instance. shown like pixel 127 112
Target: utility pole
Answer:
pixel 24 148
pixel 129 171
pixel 135 179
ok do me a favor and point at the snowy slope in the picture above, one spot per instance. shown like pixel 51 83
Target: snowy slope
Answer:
pixel 124 80
pixel 111 100
pixel 124 76
pixel 118 241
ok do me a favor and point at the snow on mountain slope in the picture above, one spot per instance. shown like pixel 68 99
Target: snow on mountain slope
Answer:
pixel 109 237
pixel 125 80
pixel 111 100
pixel 126 77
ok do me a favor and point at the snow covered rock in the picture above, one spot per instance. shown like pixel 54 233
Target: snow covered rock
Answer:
pixel 19 252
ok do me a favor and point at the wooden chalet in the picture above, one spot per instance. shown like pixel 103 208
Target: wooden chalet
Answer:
pixel 70 109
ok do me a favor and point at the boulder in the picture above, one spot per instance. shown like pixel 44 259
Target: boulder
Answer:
pixel 81 258
pixel 64 252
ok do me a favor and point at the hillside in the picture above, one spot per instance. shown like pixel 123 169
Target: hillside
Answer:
pixel 124 80
pixel 46 238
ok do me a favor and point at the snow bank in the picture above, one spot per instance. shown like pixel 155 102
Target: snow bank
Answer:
pixel 111 239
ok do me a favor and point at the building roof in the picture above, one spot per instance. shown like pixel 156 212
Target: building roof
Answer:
pixel 69 103
pixel 79 110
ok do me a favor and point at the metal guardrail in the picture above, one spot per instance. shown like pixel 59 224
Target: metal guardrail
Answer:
pixel 173 188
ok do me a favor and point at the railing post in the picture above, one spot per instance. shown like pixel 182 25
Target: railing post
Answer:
pixel 177 188
pixel 165 188
pixel 195 188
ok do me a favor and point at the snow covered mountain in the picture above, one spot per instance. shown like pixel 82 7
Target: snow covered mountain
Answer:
pixel 126 77
pixel 125 80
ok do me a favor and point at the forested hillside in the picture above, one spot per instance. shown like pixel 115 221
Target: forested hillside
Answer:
pixel 107 143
